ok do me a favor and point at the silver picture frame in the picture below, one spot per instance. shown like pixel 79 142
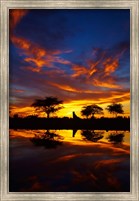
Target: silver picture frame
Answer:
pixel 133 5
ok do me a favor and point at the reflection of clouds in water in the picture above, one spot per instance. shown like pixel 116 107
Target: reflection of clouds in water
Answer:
pixel 90 172
pixel 68 135
pixel 95 167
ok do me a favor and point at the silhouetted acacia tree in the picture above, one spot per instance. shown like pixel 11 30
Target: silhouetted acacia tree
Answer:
pixel 115 108
pixel 48 105
pixel 91 110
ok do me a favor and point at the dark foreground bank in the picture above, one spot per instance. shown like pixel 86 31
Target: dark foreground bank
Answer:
pixel 70 123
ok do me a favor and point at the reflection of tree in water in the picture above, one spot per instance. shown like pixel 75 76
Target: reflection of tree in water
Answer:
pixel 116 138
pixel 48 139
pixel 91 135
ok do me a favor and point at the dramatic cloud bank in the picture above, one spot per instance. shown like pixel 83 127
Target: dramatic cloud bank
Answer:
pixel 80 56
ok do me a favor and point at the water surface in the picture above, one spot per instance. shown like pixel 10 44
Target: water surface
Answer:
pixel 69 161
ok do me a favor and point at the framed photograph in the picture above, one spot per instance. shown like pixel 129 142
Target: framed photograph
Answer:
pixel 69 100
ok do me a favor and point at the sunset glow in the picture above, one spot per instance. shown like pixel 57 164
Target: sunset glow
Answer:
pixel 79 56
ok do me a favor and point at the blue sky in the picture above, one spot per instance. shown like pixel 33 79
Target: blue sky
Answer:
pixel 74 54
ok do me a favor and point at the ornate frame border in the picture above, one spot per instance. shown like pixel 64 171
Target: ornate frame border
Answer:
pixel 133 5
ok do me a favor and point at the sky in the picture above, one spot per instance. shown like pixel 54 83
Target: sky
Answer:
pixel 80 56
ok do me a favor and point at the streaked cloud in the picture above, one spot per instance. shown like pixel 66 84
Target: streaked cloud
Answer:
pixel 100 72
pixel 37 56
pixel 81 73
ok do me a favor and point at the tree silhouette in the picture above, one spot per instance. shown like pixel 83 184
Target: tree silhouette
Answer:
pixel 115 108
pixel 48 105
pixel 91 110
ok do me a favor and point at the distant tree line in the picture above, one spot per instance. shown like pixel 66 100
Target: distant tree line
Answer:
pixel 50 105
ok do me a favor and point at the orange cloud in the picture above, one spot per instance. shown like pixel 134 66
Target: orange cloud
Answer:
pixel 94 66
pixel 70 88
pixel 79 70
pixel 30 68
pixel 109 83
pixel 17 90
pixel 28 47
pixel 22 111
pixel 37 55
pixel 34 53
pixel 61 60
pixel 64 87
pixel 38 62
pixel 110 65
pixel 99 72
pixel 21 43
pixel 15 16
